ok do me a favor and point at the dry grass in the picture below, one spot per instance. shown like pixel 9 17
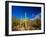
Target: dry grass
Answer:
pixel 19 25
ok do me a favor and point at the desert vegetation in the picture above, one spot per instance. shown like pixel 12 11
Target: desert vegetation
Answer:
pixel 21 25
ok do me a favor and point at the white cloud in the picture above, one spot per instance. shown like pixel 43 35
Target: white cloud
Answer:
pixel 36 17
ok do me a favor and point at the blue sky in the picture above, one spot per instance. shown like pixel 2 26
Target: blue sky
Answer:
pixel 31 12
